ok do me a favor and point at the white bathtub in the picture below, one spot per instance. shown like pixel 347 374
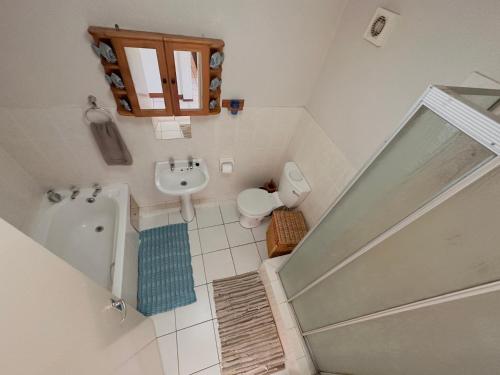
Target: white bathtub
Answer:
pixel 95 238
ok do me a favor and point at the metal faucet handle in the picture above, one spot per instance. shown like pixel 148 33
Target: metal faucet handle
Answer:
pixel 75 191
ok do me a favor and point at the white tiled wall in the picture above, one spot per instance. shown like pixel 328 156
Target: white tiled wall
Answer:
pixel 323 164
pixel 20 194
pixel 56 148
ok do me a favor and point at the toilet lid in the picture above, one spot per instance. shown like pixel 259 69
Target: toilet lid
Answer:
pixel 255 202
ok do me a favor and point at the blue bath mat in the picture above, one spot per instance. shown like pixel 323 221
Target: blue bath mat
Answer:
pixel 165 272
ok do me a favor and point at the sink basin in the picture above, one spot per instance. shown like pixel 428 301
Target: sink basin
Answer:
pixel 182 181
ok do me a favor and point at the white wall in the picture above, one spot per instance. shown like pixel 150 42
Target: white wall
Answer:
pixel 274 51
pixel 20 194
pixel 364 91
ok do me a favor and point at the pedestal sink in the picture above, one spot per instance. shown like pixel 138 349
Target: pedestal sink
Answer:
pixel 180 178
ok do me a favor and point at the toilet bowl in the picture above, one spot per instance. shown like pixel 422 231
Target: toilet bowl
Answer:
pixel 255 204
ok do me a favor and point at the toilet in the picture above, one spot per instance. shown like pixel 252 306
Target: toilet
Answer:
pixel 255 204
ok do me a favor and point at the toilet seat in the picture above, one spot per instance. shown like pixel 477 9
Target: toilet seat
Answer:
pixel 255 203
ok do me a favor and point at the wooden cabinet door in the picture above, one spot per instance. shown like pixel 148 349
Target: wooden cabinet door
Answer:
pixel 145 75
pixel 188 66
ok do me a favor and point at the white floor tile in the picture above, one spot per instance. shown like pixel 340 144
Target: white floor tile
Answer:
pixel 168 352
pixel 211 300
pixel 229 210
pixel 197 348
pixel 198 270
pixel 213 238
pixel 218 265
pixel 246 258
pixel 260 232
pixel 217 338
pixel 237 235
pixel 194 313
pixel 194 242
pixel 153 221
pixel 208 216
pixel 214 370
pixel 262 247
pixel 175 217
pixel 164 323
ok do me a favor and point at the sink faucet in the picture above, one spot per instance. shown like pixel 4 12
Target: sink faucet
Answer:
pixel 74 192
pixel 190 162
pixel 172 164
pixel 97 190
pixel 54 197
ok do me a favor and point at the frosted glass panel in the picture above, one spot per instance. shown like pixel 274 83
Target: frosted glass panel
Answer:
pixel 455 338
pixel 433 255
pixel 426 156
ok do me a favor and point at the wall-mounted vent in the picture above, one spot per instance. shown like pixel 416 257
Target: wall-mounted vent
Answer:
pixel 380 26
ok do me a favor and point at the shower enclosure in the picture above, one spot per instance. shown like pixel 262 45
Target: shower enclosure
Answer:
pixel 401 275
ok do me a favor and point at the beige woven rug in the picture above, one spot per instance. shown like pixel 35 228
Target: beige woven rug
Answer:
pixel 248 334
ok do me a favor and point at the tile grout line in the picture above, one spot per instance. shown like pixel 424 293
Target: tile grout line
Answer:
pixel 212 313
pixel 255 242
pixel 203 369
pixel 227 239
pixel 191 326
pixel 177 344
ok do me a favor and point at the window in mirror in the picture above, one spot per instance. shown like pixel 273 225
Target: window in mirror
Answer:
pixel 145 72
pixel 188 77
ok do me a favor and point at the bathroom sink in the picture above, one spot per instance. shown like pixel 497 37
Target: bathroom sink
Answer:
pixel 182 181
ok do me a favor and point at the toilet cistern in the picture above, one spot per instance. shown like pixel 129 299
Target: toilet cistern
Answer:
pixel 182 178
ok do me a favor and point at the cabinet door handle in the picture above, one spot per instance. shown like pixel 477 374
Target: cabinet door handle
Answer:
pixel 172 81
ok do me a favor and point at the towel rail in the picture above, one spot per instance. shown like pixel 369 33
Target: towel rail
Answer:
pixel 94 107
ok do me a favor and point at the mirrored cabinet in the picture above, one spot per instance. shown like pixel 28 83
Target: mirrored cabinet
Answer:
pixel 153 74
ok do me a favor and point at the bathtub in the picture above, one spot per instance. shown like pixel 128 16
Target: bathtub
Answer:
pixel 96 237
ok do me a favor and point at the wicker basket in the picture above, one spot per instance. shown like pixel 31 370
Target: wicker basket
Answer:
pixel 286 230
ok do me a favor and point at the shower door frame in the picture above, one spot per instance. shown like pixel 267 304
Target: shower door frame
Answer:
pixel 479 124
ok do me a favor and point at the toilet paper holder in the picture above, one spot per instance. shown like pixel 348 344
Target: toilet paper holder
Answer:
pixel 226 165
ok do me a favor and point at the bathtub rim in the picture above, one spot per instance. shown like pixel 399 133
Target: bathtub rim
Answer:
pixel 37 227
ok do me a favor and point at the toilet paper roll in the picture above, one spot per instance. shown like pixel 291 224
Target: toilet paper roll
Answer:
pixel 227 168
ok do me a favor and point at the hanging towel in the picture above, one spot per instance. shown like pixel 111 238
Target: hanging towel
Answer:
pixel 110 142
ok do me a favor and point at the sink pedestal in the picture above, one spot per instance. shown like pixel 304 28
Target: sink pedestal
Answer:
pixel 182 178
pixel 187 209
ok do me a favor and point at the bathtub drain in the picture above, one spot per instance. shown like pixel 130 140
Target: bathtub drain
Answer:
pixel 99 228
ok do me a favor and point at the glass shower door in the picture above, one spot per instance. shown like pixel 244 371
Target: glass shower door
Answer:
pixel 447 140
pixel 423 159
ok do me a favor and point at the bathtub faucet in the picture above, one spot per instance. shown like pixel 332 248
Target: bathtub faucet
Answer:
pixel 74 192
pixel 54 197
pixel 97 190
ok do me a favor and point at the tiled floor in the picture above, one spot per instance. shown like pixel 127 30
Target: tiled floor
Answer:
pixel 220 247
